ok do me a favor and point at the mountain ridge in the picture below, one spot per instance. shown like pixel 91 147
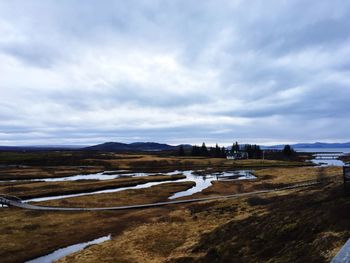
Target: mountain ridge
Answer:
pixel 154 146
pixel 135 146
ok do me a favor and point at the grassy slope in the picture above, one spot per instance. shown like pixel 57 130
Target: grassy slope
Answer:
pixel 300 227
pixel 175 233
pixel 26 234
pixel 292 226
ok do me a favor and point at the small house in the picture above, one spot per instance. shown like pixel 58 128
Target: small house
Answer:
pixel 237 155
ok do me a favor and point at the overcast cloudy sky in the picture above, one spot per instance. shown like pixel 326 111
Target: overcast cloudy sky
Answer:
pixel 86 72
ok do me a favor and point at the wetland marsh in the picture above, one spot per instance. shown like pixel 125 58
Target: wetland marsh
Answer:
pixel 139 179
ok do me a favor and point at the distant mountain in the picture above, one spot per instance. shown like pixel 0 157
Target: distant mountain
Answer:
pixel 151 146
pixel 312 145
pixel 41 148
pixel 104 147
pixel 136 146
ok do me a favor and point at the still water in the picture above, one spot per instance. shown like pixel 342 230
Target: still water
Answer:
pixel 326 159
pixel 323 150
pixel 202 182
pixel 62 252
pixel 106 175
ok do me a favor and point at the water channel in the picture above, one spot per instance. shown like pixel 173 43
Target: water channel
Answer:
pixel 62 252
pixel 202 182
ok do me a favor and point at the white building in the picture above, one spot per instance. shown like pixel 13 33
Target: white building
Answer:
pixel 237 155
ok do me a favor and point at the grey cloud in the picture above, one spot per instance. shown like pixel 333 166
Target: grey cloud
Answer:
pixel 174 71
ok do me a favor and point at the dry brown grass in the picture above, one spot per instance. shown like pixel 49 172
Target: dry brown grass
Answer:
pixel 20 173
pixel 39 189
pixel 122 198
pixel 267 228
pixel 297 174
pixel 137 163
pixel 26 234
pixel 168 233
pixel 150 162
pixel 166 236
pixel 268 178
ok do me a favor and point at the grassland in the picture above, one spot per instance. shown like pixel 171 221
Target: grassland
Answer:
pixel 306 225
pixel 291 226
pixel 37 172
pixel 144 162
pixel 39 189
pixel 150 162
pixel 28 234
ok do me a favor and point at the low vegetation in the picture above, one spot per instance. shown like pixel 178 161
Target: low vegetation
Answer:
pixel 291 226
pixel 39 189
pixel 52 230
pixel 42 172
pixel 303 225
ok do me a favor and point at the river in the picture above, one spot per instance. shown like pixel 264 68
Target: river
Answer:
pixel 202 182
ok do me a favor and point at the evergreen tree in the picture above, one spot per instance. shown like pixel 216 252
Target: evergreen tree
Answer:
pixel 204 150
pixel 217 151
pixel 257 152
pixel 235 147
pixel 195 151
pixel 181 151
pixel 211 151
pixel 253 151
pixel 288 151
pixel 223 152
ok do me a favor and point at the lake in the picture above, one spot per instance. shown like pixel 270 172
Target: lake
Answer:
pixel 343 150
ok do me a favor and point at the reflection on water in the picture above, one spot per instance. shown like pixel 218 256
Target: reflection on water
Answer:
pixel 323 150
pixel 62 252
pixel 106 175
pixel 328 159
pixel 328 162
pixel 202 182
pixel 139 186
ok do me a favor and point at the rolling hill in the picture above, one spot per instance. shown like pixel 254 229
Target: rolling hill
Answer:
pixel 136 146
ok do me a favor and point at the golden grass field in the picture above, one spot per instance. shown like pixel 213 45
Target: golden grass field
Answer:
pixel 37 189
pixel 250 229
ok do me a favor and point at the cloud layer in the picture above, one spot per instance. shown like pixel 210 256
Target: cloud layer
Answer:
pixel 84 72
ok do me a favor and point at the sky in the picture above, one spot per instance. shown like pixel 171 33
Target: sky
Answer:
pixel 85 72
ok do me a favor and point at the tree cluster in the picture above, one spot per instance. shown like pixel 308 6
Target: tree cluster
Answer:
pixel 288 151
pixel 215 152
pixel 253 151
pixel 235 148
pixel 181 151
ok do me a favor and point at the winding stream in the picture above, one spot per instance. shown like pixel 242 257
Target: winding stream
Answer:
pixel 62 252
pixel 202 182
pixel 106 175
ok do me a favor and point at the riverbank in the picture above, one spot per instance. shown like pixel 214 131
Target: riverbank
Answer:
pixel 18 168
pixel 160 234
pixel 41 172
pixel 42 189
pixel 50 229
pixel 297 226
